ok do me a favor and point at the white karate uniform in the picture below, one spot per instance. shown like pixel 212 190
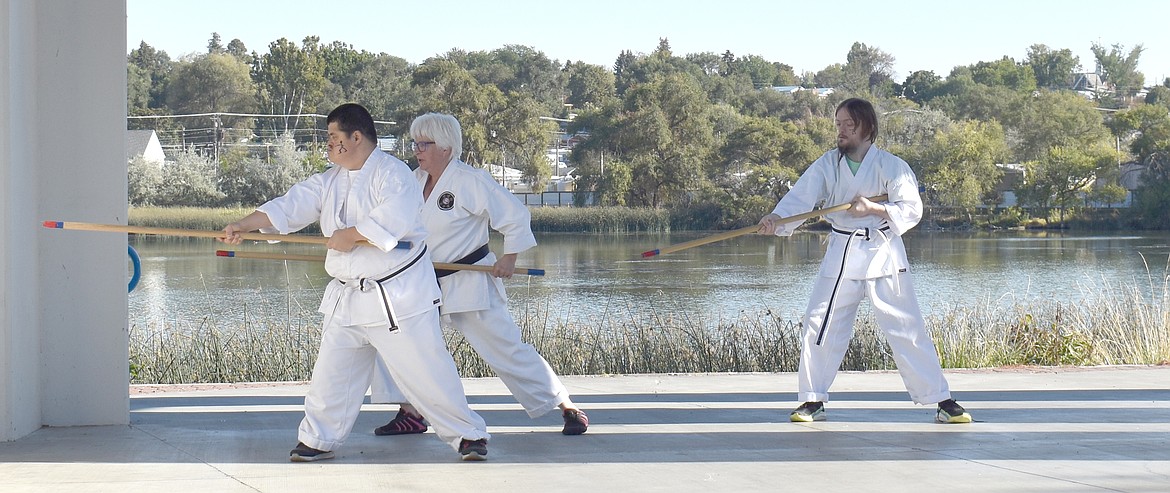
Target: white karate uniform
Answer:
pixel 464 202
pixel 380 200
pixel 865 256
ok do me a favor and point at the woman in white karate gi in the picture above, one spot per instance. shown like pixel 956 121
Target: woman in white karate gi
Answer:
pixel 865 257
pixel 460 204
pixel 382 303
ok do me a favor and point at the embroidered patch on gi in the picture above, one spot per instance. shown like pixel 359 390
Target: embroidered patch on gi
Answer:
pixel 446 201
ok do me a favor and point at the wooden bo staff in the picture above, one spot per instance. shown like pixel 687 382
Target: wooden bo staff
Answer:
pixel 321 258
pixel 752 229
pixel 196 233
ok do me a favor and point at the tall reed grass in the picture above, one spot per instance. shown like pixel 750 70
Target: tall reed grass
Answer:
pixel 544 219
pixel 1115 326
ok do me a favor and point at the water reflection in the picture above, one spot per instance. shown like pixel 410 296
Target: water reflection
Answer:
pixel 594 276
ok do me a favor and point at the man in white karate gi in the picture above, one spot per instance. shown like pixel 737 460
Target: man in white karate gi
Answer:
pixel 460 204
pixel 382 303
pixel 865 257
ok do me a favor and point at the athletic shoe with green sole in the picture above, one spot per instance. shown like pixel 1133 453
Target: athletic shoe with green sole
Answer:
pixel 950 411
pixel 808 412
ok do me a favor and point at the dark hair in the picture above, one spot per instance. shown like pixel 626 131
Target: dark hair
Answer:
pixel 353 117
pixel 863 114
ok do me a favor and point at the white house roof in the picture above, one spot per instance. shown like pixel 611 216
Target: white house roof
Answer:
pixel 143 143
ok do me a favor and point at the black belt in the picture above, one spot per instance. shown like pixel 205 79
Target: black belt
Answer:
pixel 387 307
pixel 468 259
pixel 851 233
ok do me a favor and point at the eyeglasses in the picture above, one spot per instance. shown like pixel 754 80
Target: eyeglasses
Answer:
pixel 420 145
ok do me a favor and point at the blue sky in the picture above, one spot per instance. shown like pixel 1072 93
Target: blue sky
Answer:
pixel 921 35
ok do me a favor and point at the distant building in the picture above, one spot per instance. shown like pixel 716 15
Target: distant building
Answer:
pixel 144 144
pixel 821 92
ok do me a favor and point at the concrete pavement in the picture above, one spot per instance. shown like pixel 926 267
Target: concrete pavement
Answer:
pixel 1037 430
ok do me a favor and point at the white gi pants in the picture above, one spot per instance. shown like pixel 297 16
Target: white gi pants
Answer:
pixel 415 354
pixel 493 334
pixel 897 312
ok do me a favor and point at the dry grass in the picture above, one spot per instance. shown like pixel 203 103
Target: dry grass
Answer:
pixel 1114 326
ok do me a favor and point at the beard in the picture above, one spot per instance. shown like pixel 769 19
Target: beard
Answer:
pixel 844 147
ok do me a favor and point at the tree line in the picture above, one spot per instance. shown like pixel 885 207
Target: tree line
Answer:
pixel 703 131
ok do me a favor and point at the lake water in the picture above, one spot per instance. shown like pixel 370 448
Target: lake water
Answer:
pixel 595 276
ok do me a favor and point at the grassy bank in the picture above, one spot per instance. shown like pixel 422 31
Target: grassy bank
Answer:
pixel 544 219
pixel 1114 326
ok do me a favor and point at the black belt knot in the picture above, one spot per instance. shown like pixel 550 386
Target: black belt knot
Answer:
pixel 844 232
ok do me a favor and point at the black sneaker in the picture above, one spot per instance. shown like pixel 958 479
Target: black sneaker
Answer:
pixel 808 412
pixel 950 411
pixel 403 424
pixel 473 449
pixel 305 453
pixel 576 422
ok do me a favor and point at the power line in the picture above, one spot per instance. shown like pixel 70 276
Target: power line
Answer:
pixel 251 115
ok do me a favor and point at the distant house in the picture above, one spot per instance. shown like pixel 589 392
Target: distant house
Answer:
pixel 787 89
pixel 821 92
pixel 1013 177
pixel 1091 85
pixel 1131 175
pixel 144 144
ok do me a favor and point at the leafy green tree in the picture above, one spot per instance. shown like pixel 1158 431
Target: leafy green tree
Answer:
pixel 211 83
pixel 960 164
pixel 1005 72
pixel 655 66
pixel 761 72
pixel 910 133
pixel 137 88
pixel 733 89
pixel 1053 69
pixel 382 85
pixel 920 86
pixel 961 98
pixel 867 70
pixel 1064 173
pixel 623 77
pixel 1120 68
pixel 1152 198
pixel 1058 119
pixel 670 137
pixel 589 86
pixel 215 45
pixel 1146 127
pixel 710 63
pixel 291 79
pixel 766 156
pixel 524 137
pixel 835 76
pixel 444 86
pixel 497 128
pixel 156 66
pixel 1159 95
pixel 237 49
pixel 342 65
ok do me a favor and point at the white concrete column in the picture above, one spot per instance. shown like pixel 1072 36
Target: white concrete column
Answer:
pixel 63 321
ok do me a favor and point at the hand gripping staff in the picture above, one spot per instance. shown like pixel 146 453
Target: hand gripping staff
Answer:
pixel 752 229
pixel 146 230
